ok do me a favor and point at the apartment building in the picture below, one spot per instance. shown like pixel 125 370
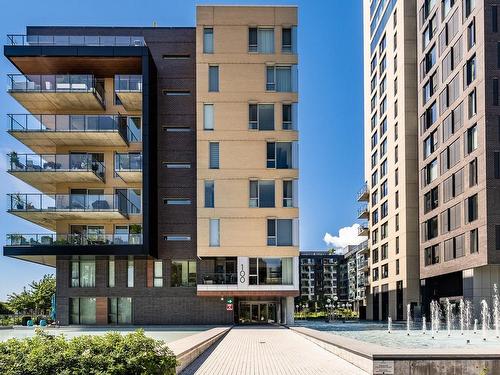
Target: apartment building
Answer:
pixel 390 132
pixel 319 273
pixel 166 160
pixel 458 140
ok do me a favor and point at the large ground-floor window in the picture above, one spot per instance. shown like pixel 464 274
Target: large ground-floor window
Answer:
pixel 120 310
pixel 271 271
pixel 82 311
pixel 183 273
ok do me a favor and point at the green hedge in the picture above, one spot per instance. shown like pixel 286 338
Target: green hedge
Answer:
pixel 112 353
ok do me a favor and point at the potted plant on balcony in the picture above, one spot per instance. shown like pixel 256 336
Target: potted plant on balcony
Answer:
pixel 17 202
pixel 14 160
pixel 15 239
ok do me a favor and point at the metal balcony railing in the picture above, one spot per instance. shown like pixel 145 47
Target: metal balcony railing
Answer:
pixel 75 40
pixel 128 162
pixel 33 202
pixel 128 83
pixel 217 278
pixel 56 163
pixel 57 83
pixel 363 193
pixel 72 123
pixel 53 239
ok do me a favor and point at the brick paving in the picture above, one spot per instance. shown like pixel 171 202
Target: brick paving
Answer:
pixel 268 351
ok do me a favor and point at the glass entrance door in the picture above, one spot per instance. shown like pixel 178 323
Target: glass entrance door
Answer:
pixel 257 312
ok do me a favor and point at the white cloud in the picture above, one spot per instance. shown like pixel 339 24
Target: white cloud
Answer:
pixel 347 236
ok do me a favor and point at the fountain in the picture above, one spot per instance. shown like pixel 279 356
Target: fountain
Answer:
pixel 408 319
pixel 484 318
pixel 435 317
pixel 496 312
pixel 461 309
pixel 389 324
pixel 448 316
pixel 475 326
pixel 423 325
pixel 468 315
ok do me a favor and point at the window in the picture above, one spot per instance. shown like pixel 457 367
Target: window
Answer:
pixel 453 186
pixel 383 189
pixel 176 165
pixel 214 155
pixel 431 200
pixel 429 117
pixel 282 155
pixel 111 272
pixel 83 273
pixel 471 144
pixel 395 41
pixel 428 33
pixel 373 64
pixel 176 129
pixel 429 88
pixel 374 159
pixel 374 139
pixel 373 84
pixel 176 92
pixel 396 200
pixel 289 116
pixel 395 109
pixel 281 78
pixel 262 194
pixel 183 273
pixel 446 6
pixel 397 245
pixel 428 61
pixel 473 241
pixel 290 189
pixel 282 232
pixel 130 272
pixel 430 144
pixel 209 193
pixel 450 156
pixel 289 39
pixel 374 216
pixel 383 127
pixel 177 237
pixel 430 229
pixel 384 251
pixel 382 44
pixel 383 106
pixel 261 116
pixel 385 271
pixel 375 274
pixel 384 232
pixel 383 148
pixel 471 34
pixel 158 273
pixel 214 228
pixel 472 103
pixel 382 86
pixel 454 248
pixel 430 172
pixel 451 218
pixel 396 131
pixel 384 209
pixel 470 71
pixel 396 177
pixel 82 311
pixel 494 18
pixel 270 271
pixel 496 164
pixel 374 199
pixel 120 310
pixel 208 116
pixel 177 201
pixel 473 173
pixel 213 78
pixel 374 236
pixel 452 122
pixel 261 40
pixel 468 7
pixel 383 169
pixel 374 178
pixel 208 40
pixel 471 208
pixel 382 65
pixel 375 256
pixel 397 222
pixel 431 255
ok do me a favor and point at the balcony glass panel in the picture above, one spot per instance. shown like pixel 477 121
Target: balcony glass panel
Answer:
pixel 128 83
pixel 78 239
pixel 75 40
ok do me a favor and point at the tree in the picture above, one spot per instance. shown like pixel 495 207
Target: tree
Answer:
pixel 331 251
pixel 36 299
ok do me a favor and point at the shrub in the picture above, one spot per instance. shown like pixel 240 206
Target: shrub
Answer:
pixel 112 353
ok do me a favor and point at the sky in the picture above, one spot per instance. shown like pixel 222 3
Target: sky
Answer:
pixel 330 108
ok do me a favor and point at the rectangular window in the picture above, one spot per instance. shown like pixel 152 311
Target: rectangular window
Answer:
pixel 270 271
pixel 176 165
pixel 384 209
pixel 183 273
pixel 384 232
pixel 120 310
pixel 280 232
pixel 289 39
pixel 111 272
pixel 430 172
pixel 261 116
pixel 262 194
pixel 472 103
pixel 281 78
pixel 214 232
pixel 290 193
pixel 261 40
pixel 431 255
pixel 213 78
pixel 177 201
pixel 208 40
pixel 471 141
pixel 177 237
pixel 209 193
pixel 130 272
pixel 430 229
pixel 158 273
pixel 82 311
pixel 468 7
pixel 282 155
pixel 473 173
pixel 289 116
pixel 431 200
pixel 474 241
pixel 471 34
pixel 214 155
pixel 385 271
pixel 472 208
pixel 208 116
pixel 454 248
pixel 83 273
pixel 470 71
pixel 430 144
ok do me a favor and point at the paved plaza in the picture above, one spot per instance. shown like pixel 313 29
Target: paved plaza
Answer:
pixel 268 351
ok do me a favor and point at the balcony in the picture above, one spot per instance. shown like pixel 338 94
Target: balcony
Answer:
pixel 363 194
pixel 43 133
pixel 363 212
pixel 129 167
pixel 363 230
pixel 128 88
pixel 53 93
pixel 45 171
pixel 216 278
pixel 71 239
pixel 363 265
pixel 46 210
pixel 75 40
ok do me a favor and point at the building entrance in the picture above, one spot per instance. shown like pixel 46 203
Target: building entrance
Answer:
pixel 257 312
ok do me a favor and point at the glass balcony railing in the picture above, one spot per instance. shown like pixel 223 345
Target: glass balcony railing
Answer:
pixel 128 83
pixel 61 83
pixel 56 163
pixel 219 278
pixel 128 127
pixel 128 162
pixel 75 40
pixel 52 239
pixel 33 202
